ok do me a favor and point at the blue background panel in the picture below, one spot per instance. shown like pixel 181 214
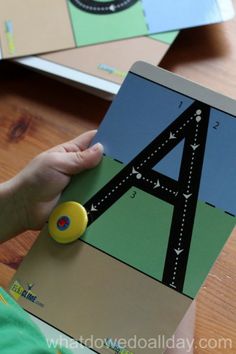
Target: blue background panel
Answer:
pixel 143 109
pixel 180 14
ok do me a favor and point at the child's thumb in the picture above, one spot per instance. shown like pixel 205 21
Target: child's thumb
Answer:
pixel 76 162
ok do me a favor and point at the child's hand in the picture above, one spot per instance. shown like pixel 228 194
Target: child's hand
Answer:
pixel 38 186
pixel 48 174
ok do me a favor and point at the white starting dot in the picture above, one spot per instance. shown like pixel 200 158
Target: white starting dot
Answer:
pixel 138 175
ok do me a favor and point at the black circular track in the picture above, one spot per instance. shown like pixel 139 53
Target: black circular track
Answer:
pixel 103 7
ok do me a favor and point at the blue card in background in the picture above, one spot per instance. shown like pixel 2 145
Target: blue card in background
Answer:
pixel 132 18
pixel 84 23
pixel 171 15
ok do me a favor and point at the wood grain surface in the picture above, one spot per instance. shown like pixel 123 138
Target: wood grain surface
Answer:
pixel 37 112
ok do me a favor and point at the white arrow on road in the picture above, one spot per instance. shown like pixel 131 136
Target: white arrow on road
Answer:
pixel 178 251
pixel 157 184
pixel 172 136
pixel 134 171
pixel 187 195
pixel 195 146
pixel 112 8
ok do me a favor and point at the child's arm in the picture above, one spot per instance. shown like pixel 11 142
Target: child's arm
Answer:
pixel 19 334
pixel 27 199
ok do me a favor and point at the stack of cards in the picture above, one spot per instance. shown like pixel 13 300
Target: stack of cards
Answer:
pixel 94 43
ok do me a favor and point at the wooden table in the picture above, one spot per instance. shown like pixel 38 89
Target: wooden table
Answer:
pixel 37 113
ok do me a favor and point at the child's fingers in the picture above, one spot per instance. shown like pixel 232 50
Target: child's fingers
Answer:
pixel 81 142
pixel 84 140
pixel 71 163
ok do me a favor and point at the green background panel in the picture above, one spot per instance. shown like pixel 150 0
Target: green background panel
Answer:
pixel 135 230
pixel 212 228
pixel 165 37
pixel 91 28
